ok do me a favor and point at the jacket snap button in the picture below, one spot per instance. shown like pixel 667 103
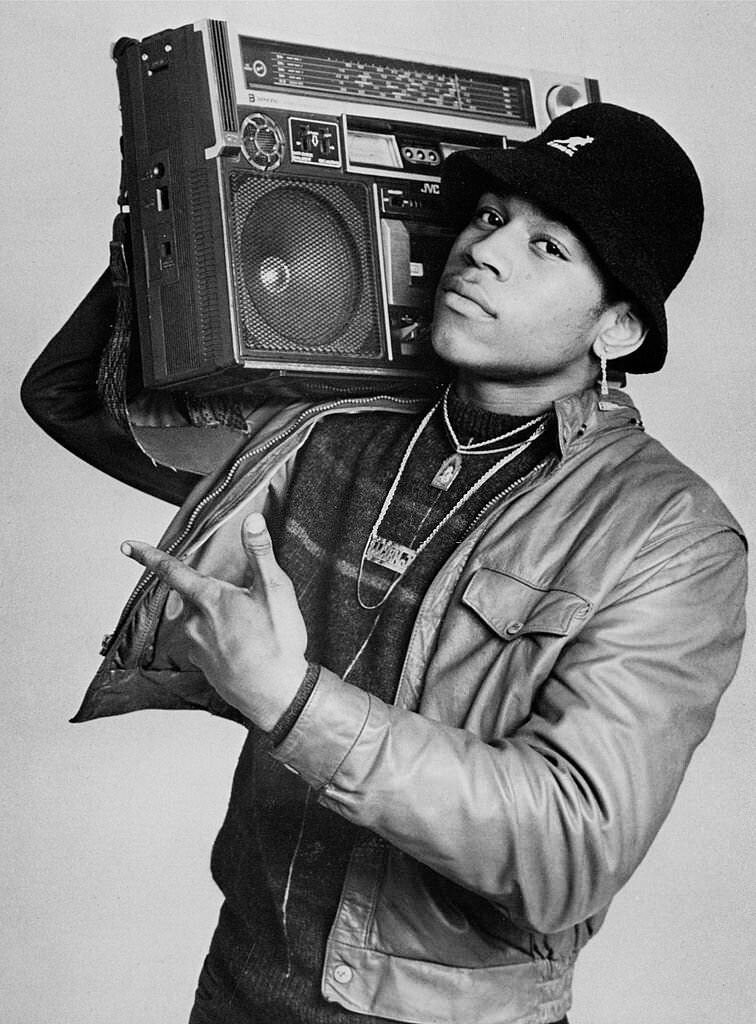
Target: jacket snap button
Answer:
pixel 513 628
pixel 343 974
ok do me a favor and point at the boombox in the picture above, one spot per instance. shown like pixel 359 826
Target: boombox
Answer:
pixel 285 215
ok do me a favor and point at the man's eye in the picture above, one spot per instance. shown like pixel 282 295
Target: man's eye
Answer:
pixel 488 216
pixel 550 248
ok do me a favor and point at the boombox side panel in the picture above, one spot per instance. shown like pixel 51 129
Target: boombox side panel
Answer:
pixel 177 231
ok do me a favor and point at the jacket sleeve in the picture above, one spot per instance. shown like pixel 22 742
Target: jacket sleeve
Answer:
pixel 60 394
pixel 550 821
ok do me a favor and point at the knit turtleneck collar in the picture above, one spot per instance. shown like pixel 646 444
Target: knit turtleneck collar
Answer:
pixel 471 421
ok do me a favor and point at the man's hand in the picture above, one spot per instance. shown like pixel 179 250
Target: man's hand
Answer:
pixel 250 644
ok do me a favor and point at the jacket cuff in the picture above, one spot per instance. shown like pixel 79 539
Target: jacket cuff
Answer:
pixel 325 731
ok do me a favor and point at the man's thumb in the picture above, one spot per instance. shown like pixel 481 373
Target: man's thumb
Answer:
pixel 257 542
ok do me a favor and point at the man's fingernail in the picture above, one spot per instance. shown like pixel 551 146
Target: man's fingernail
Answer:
pixel 126 548
pixel 255 523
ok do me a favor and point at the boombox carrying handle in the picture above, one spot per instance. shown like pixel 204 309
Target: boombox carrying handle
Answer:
pixel 113 370
pixel 112 373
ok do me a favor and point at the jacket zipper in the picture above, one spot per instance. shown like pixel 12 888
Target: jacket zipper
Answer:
pixel 303 417
pixel 520 482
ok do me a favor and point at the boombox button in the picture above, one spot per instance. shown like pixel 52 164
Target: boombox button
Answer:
pixel 420 155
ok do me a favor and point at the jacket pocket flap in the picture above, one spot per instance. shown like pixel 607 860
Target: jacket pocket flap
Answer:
pixel 511 606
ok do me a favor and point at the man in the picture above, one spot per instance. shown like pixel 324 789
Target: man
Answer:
pixel 475 642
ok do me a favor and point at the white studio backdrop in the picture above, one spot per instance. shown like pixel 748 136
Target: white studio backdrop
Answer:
pixel 108 900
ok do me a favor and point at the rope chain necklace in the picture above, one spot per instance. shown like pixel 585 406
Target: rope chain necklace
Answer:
pixel 397 558
pixel 450 468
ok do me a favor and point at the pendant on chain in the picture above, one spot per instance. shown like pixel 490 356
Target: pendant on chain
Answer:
pixel 447 472
pixel 388 554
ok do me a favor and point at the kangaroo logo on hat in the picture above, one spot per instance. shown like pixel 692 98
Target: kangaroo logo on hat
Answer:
pixel 572 145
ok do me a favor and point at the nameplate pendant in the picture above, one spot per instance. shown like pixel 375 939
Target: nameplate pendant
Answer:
pixel 447 472
pixel 388 554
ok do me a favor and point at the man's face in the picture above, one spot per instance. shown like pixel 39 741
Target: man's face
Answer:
pixel 520 300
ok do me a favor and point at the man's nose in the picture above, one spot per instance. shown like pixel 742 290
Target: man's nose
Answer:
pixel 493 252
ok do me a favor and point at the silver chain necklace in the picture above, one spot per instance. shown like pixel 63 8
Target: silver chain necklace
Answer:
pixel 389 554
pixel 450 468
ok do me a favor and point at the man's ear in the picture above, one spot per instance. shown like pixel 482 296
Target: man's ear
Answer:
pixel 621 331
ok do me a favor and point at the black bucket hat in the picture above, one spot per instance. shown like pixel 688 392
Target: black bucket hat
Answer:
pixel 621 182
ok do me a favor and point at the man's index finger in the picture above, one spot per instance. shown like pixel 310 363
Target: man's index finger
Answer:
pixel 186 582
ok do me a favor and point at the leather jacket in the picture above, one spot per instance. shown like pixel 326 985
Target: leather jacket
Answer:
pixel 564 665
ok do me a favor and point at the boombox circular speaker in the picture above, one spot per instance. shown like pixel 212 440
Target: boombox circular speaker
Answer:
pixel 303 273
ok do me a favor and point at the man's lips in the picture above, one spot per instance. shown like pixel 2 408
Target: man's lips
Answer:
pixel 456 285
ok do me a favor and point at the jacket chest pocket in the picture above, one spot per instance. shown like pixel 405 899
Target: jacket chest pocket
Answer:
pixel 512 607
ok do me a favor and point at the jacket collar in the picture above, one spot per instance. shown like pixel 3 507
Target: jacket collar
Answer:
pixel 585 412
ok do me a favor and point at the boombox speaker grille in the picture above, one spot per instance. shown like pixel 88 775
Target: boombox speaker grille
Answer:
pixel 304 277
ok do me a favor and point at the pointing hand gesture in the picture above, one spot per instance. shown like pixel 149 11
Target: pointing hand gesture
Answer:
pixel 250 644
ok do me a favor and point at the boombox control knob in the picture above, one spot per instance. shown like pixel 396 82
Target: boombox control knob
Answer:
pixel 562 98
pixel 262 142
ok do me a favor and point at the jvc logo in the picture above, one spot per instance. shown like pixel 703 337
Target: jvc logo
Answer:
pixel 432 188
